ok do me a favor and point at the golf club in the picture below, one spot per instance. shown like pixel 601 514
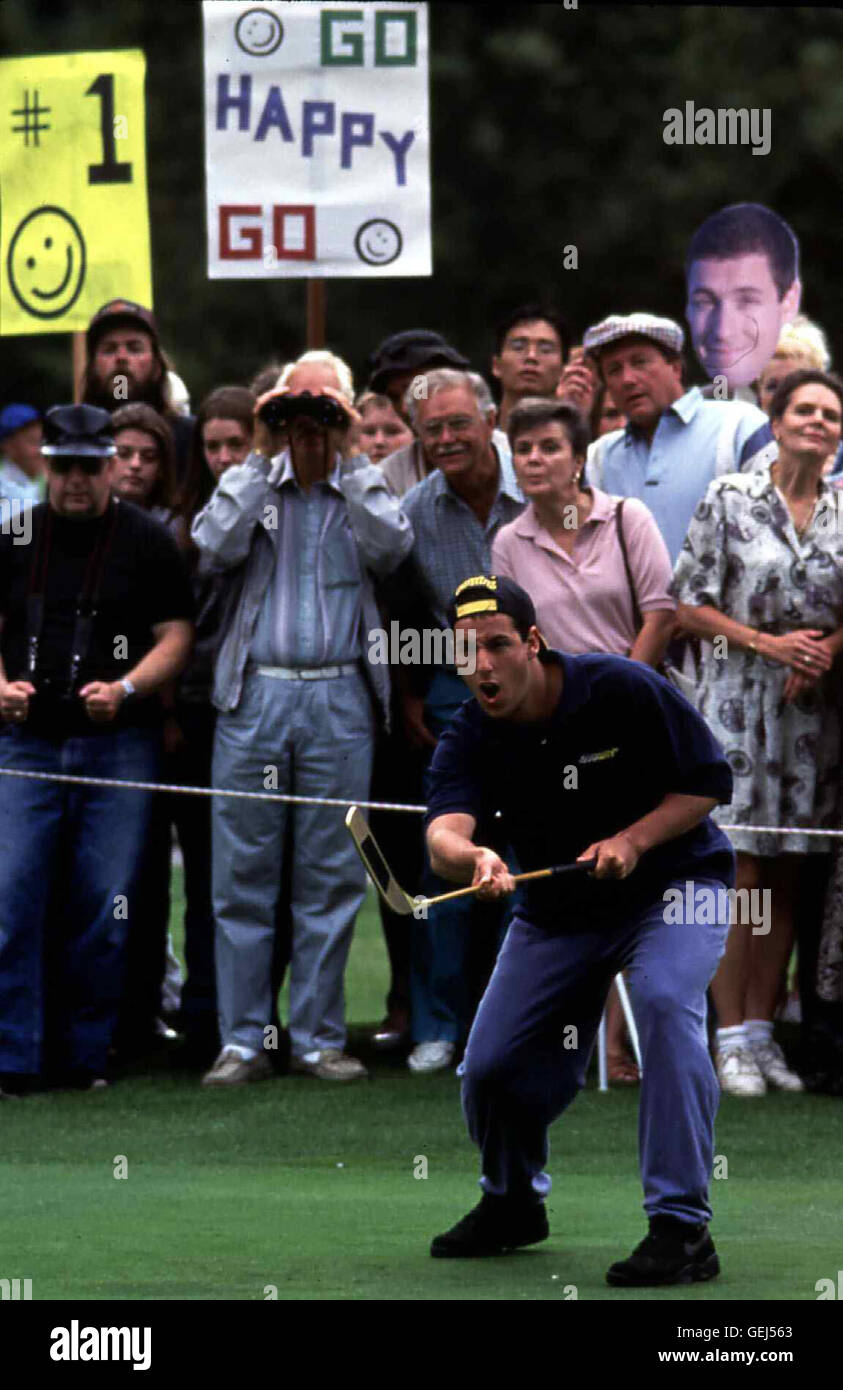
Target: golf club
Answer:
pixel 397 898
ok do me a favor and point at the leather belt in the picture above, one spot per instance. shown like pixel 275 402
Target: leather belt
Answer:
pixel 308 673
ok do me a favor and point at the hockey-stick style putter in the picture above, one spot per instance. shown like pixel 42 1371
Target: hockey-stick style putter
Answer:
pixel 395 896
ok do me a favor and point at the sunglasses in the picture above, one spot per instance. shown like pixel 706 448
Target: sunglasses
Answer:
pixel 91 465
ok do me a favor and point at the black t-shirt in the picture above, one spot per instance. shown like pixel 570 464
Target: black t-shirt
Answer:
pixel 144 582
pixel 620 740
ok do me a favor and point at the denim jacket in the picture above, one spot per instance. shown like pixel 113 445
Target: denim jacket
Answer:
pixel 235 530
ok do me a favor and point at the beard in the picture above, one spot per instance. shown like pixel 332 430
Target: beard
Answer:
pixel 123 389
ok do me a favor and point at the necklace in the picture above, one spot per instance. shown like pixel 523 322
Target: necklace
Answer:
pixel 801 513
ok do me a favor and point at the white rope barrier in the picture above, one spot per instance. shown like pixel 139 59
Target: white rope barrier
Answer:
pixel 207 791
pixel 325 800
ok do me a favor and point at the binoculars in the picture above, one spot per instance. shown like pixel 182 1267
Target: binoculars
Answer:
pixel 323 410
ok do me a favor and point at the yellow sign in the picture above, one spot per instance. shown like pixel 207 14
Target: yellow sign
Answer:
pixel 74 224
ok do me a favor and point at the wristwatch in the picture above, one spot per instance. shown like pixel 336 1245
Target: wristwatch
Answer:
pixel 128 688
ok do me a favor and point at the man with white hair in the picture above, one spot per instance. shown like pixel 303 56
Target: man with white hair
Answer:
pixel 456 512
pixel 302 534
pixel 335 374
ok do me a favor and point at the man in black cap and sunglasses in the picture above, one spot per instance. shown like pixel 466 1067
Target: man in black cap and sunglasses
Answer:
pixel 95 616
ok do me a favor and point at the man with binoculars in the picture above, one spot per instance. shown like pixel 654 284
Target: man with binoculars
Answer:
pixel 95 616
pixel 302 534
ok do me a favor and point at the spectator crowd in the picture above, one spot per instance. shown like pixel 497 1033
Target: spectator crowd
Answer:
pixel 187 601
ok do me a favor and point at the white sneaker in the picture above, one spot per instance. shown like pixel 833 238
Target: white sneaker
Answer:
pixel 772 1065
pixel 431 1056
pixel 739 1073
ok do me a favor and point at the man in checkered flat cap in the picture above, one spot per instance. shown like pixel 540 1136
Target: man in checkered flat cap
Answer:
pixel 675 441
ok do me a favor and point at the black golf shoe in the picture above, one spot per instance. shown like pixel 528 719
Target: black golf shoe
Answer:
pixel 496 1224
pixel 674 1252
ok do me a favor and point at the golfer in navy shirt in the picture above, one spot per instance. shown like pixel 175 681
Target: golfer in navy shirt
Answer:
pixel 584 757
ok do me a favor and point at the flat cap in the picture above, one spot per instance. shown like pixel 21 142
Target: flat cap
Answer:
pixel 662 331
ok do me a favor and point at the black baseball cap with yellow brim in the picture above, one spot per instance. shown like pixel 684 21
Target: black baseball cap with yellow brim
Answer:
pixel 490 593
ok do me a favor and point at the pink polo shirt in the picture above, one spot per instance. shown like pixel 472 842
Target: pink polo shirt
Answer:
pixel 582 600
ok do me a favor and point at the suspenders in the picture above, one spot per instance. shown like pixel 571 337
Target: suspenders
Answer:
pixel 86 607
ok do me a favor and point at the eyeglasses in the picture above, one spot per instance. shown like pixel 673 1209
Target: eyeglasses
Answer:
pixel 90 464
pixel 457 424
pixel 544 347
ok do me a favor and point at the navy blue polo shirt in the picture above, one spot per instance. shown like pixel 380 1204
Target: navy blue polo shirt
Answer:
pixel 620 740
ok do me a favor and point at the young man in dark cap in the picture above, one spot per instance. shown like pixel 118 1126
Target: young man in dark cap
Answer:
pixel 125 364
pixel 585 757
pixel 95 616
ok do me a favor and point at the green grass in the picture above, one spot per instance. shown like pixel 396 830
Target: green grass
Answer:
pixel 309 1187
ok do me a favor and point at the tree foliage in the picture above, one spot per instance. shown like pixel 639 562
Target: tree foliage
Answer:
pixel 547 131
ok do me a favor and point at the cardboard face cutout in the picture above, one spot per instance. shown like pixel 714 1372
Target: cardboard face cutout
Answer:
pixel 742 281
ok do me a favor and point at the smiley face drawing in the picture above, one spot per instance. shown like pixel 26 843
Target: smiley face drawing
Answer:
pixel 378 242
pixel 258 32
pixel 46 262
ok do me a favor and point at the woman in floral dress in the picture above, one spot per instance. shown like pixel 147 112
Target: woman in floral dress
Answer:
pixel 762 568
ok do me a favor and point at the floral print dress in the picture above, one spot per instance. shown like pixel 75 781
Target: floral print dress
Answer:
pixel 743 556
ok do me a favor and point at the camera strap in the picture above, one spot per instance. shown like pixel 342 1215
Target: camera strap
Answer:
pixel 86 606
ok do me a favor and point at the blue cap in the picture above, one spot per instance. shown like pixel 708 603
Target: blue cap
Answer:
pixel 14 417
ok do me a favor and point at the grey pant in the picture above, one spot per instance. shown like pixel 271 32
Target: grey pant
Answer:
pixel 319 735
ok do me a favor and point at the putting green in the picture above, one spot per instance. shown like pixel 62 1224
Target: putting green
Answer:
pixel 308 1190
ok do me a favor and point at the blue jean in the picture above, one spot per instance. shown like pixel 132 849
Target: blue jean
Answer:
pixel 523 1065
pixel 319 737
pixel 76 850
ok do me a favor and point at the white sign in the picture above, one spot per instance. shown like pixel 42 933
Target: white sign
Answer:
pixel 316 140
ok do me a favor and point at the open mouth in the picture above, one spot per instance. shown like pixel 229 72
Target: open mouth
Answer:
pixel 489 690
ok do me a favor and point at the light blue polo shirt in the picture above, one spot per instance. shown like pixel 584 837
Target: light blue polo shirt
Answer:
pixel 671 474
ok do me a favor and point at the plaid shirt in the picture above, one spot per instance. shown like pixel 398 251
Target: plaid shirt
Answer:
pixel 451 544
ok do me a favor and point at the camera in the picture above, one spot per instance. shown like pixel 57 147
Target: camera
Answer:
pixel 53 700
pixel 323 410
